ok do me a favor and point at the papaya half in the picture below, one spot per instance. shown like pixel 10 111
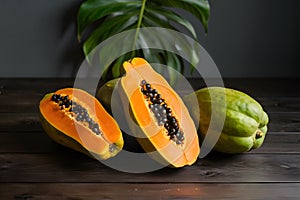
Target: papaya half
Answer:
pixel 157 115
pixel 245 124
pixel 76 119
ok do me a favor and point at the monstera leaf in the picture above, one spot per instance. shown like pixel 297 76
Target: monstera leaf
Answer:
pixel 100 19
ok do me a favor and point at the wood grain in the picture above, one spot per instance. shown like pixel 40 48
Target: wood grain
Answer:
pixel 70 166
pixel 79 191
pixel 28 103
pixel 258 87
pixel 23 95
pixel 28 122
pixel 31 84
pixel 32 166
pixel 26 142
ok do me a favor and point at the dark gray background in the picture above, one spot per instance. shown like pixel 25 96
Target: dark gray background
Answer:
pixel 246 38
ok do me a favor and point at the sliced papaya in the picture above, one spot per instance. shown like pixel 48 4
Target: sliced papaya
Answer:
pixel 157 116
pixel 76 119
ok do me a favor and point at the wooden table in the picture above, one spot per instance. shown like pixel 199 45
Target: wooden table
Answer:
pixel 34 167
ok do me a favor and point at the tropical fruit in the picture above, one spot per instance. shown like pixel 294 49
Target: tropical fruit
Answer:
pixel 157 115
pixel 245 122
pixel 75 119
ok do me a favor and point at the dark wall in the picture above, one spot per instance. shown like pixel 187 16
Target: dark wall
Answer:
pixel 246 38
pixel 255 37
pixel 38 38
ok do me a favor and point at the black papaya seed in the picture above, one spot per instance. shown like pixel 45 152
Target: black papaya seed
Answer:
pixel 148 86
pixel 162 112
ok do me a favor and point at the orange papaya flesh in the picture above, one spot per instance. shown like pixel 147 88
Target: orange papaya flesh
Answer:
pixel 75 119
pixel 164 122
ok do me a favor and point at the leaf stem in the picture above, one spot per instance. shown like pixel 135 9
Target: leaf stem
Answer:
pixel 138 25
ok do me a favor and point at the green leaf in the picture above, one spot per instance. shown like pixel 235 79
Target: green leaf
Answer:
pixel 147 53
pixel 109 27
pixel 173 62
pixel 92 10
pixel 199 8
pixel 97 20
pixel 116 67
pixel 170 16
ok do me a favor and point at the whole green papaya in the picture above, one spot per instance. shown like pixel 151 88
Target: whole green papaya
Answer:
pixel 105 92
pixel 245 123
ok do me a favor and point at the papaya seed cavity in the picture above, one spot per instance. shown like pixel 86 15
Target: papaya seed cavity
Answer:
pixel 80 113
pixel 162 112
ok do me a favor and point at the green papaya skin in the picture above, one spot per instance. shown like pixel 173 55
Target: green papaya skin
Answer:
pixel 245 124
pixel 104 93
